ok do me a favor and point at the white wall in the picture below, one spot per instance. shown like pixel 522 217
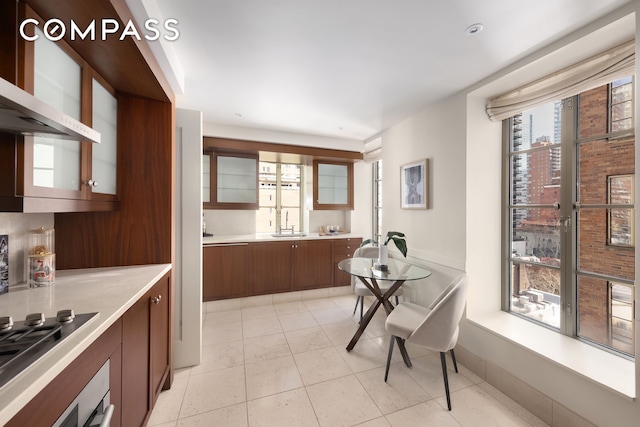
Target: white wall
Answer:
pixel 437 134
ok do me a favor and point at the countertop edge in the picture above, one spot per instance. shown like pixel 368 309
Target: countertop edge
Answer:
pixel 21 390
pixel 266 237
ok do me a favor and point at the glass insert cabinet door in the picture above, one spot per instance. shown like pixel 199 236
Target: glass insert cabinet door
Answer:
pixel 104 155
pixel 333 185
pixel 206 178
pixel 233 181
pixel 57 81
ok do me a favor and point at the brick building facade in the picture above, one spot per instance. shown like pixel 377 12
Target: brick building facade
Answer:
pixel 597 162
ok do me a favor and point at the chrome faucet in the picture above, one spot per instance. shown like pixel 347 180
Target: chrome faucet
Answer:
pixel 286 224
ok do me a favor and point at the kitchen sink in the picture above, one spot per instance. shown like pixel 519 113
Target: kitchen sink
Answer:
pixel 289 235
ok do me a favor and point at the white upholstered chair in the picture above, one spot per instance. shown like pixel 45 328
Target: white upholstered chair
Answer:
pixel 434 327
pixel 359 288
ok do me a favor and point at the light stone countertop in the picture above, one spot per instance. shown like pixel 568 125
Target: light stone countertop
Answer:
pixel 267 237
pixel 108 291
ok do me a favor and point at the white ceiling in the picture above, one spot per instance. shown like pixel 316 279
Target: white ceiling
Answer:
pixel 349 68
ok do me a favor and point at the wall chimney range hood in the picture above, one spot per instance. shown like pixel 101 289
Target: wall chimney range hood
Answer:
pixel 24 114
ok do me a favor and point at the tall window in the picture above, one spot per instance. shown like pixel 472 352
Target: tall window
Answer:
pixel 376 231
pixel 569 248
pixel 280 198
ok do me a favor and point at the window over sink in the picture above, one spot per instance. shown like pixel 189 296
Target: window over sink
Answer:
pixel 280 198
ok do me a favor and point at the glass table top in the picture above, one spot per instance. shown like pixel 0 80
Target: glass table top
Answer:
pixel 397 269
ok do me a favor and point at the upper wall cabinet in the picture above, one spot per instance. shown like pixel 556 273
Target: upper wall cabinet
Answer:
pixel 104 155
pixel 232 181
pixel 52 174
pixel 332 185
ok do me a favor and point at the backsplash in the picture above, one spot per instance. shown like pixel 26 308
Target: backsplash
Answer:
pixel 17 226
pixel 221 222
pixel 319 219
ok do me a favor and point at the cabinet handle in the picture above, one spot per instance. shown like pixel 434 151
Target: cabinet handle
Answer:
pixel 91 183
pixel 156 300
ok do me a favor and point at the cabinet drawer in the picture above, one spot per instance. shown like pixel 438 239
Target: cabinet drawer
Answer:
pixel 345 247
pixel 339 257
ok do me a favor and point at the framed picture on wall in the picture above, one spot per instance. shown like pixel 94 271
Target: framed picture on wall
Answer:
pixel 413 185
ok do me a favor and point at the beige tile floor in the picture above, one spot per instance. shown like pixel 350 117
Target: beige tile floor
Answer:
pixel 286 365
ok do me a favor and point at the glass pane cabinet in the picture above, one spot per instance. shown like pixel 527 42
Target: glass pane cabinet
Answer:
pixel 206 178
pixel 332 185
pixel 57 81
pixel 237 180
pixel 233 181
pixel 104 155
pixel 60 175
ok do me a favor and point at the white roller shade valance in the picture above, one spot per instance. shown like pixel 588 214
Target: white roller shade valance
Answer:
pixel 598 70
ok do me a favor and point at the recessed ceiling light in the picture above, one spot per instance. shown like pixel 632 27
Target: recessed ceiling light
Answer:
pixel 474 29
pixel 238 114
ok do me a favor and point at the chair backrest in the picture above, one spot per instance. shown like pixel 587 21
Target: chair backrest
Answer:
pixel 366 252
pixel 363 252
pixel 444 293
pixel 439 330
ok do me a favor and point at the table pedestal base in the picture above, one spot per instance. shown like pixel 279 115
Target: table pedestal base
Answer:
pixel 388 307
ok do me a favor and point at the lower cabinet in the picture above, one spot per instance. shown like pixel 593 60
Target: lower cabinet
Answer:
pixel 258 268
pixel 224 271
pixel 145 352
pixel 160 337
pixel 342 249
pixel 271 264
pixel 138 347
pixel 313 264
pixel 290 266
pixel 55 398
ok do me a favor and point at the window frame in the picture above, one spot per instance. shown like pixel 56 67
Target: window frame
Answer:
pixel 569 207
pixel 376 205
pixel 278 202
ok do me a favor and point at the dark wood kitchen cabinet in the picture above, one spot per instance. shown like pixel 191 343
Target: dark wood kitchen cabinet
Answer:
pixel 271 264
pixel 83 177
pixel 332 185
pixel 145 351
pixel 55 398
pixel 342 249
pixel 259 268
pixel 292 265
pixel 230 180
pixel 159 341
pixel 224 271
pixel 313 264
pixel 138 348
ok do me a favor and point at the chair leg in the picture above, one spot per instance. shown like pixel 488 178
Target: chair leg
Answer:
pixel 397 300
pixel 361 308
pixel 453 356
pixel 443 359
pixel 386 373
pixel 357 302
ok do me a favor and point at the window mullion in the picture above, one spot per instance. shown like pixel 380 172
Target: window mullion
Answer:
pixel 568 290
pixel 507 173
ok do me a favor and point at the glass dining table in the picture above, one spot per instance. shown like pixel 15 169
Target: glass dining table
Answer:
pixel 369 273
